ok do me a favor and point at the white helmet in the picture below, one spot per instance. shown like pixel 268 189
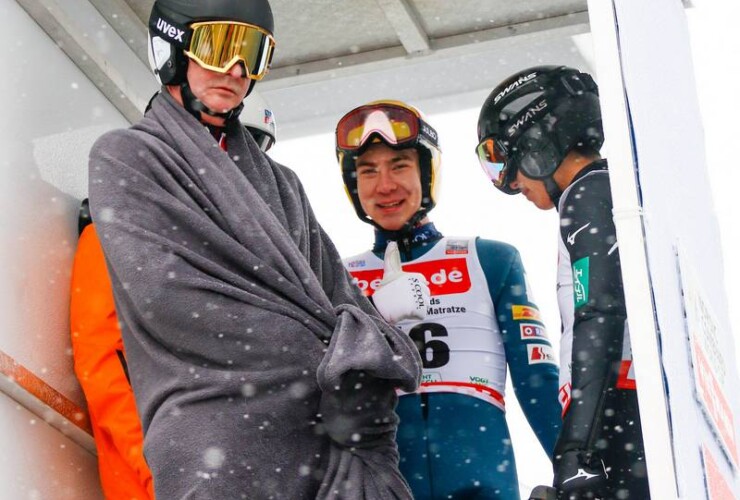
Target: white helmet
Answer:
pixel 259 120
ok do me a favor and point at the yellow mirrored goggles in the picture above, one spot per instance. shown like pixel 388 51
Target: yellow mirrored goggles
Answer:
pixel 217 46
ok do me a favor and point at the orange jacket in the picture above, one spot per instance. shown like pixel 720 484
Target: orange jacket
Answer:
pixel 99 364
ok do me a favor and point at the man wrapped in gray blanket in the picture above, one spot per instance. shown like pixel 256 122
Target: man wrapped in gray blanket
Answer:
pixel 259 370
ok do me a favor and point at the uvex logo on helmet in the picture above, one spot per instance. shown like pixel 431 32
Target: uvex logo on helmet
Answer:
pixel 513 85
pixel 531 113
pixel 169 30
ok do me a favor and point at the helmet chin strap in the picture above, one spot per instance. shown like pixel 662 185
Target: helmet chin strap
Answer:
pixel 195 107
pixel 402 235
pixel 553 190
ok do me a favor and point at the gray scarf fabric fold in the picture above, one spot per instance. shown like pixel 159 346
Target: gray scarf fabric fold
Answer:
pixel 259 370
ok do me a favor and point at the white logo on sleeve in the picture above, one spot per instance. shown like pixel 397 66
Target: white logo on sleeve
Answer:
pixel 581 474
pixel 572 236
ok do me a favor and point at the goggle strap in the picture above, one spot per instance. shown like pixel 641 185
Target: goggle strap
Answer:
pixel 553 190
pixel 577 83
pixel 428 133
pixel 194 106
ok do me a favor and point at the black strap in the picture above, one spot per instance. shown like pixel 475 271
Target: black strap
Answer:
pixel 196 107
pixel 124 364
pixel 84 218
pixel 553 190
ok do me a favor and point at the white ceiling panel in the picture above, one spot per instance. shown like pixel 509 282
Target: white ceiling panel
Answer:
pixel 332 55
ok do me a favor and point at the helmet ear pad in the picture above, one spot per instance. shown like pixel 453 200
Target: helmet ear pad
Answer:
pixel 174 70
pixel 537 155
pixel 167 58
pixel 177 68
pixel 579 123
pixel 425 171
pixel 349 176
pixel 573 123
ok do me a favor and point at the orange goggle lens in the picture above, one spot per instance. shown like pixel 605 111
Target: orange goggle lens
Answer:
pixel 217 46
pixel 494 161
pixel 394 124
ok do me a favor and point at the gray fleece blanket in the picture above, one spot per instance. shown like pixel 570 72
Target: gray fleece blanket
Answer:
pixel 259 370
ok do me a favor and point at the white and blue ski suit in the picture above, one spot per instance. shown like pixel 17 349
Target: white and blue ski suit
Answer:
pixel 453 438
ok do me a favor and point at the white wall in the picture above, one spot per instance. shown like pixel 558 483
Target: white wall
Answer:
pixel 715 42
pixel 38 462
pixel 51 115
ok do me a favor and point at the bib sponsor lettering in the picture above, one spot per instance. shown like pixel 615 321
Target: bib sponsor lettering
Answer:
pixel 459 342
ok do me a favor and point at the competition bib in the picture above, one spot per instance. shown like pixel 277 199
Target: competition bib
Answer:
pixel 459 342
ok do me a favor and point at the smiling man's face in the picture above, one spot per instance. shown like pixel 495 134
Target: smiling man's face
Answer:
pixel 389 185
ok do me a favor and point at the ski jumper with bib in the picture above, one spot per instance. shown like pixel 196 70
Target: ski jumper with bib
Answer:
pixel 453 437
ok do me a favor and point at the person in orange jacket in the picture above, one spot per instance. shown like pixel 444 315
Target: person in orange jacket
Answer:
pixel 100 365
pixel 99 356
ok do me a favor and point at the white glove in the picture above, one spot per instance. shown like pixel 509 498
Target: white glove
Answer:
pixel 400 295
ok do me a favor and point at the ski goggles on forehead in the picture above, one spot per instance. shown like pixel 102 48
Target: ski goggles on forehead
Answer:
pixel 493 157
pixel 218 45
pixel 395 125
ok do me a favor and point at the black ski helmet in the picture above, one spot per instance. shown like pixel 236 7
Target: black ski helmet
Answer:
pixel 169 31
pixel 538 116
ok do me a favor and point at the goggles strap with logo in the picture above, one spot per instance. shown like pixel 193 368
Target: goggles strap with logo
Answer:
pixel 427 133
